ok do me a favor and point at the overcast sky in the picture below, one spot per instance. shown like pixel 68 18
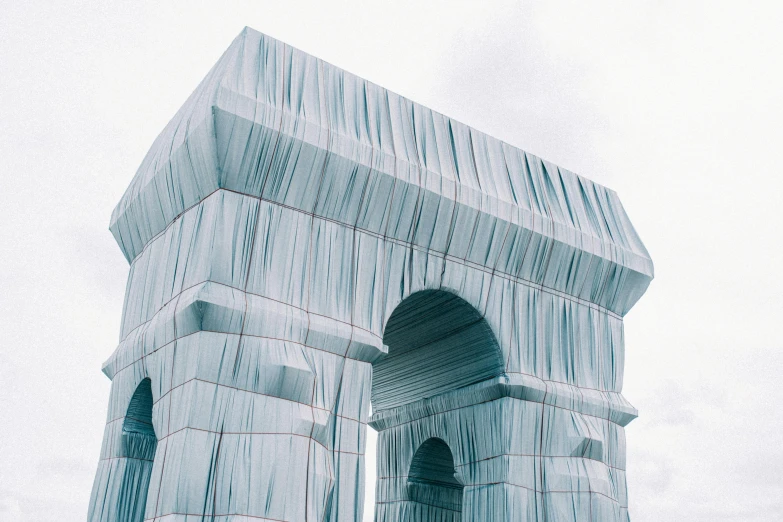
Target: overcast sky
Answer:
pixel 674 104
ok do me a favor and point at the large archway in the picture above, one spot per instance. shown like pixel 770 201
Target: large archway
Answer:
pixel 437 342
pixel 138 447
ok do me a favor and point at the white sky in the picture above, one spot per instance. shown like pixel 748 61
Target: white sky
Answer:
pixel 674 104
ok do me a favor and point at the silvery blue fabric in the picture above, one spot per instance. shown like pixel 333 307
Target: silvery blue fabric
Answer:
pixel 303 244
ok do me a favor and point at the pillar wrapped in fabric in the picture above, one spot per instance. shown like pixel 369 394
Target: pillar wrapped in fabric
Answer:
pixel 304 244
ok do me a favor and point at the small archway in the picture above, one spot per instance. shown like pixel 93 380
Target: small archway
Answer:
pixel 437 342
pixel 433 488
pixel 138 447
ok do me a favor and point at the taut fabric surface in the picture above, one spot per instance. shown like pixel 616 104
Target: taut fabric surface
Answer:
pixel 302 243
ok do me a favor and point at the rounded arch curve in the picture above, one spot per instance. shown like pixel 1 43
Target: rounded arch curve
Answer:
pixel 432 482
pixel 138 448
pixel 437 342
pixel 138 433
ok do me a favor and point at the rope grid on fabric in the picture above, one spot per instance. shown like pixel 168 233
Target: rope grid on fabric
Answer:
pixel 304 246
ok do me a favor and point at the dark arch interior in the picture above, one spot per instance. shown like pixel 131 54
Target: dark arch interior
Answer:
pixel 437 343
pixel 138 446
pixel 138 434
pixel 432 487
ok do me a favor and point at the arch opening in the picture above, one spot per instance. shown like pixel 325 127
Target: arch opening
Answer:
pixel 437 343
pixel 432 485
pixel 138 447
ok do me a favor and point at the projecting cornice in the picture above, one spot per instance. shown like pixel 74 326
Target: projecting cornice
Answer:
pixel 272 122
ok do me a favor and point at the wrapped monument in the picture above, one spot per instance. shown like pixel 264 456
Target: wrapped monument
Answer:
pixel 304 244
